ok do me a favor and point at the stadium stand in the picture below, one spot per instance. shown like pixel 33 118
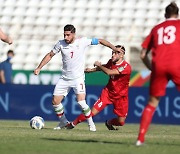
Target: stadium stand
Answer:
pixel 36 25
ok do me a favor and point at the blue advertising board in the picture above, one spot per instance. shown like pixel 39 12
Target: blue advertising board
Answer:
pixel 25 101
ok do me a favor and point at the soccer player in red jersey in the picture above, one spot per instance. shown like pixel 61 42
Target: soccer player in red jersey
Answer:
pixel 164 43
pixel 115 92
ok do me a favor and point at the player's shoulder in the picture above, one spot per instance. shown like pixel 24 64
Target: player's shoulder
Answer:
pixel 61 43
pixel 157 26
pixel 166 22
pixel 126 64
pixel 110 61
pixel 160 24
pixel 81 38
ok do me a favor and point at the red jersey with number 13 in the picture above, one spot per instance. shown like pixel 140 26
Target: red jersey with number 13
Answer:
pixel 164 42
pixel 118 85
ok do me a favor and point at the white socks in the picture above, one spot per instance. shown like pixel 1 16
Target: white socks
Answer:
pixel 87 112
pixel 85 108
pixel 59 110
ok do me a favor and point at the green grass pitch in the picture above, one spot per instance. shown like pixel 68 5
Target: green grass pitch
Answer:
pixel 16 137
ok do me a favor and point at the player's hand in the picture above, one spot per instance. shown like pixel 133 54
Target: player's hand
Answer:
pixel 87 70
pixel 97 63
pixel 10 41
pixel 36 71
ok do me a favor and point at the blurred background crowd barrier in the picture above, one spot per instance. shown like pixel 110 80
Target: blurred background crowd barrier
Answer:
pixel 22 102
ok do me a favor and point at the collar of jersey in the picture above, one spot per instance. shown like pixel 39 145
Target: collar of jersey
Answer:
pixel 120 63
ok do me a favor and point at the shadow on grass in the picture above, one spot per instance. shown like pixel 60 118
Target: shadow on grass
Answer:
pixel 85 141
pixel 110 142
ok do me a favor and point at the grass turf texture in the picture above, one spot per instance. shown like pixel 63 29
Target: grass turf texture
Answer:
pixel 18 138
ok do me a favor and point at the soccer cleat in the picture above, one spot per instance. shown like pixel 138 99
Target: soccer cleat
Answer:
pixel 92 127
pixel 139 143
pixel 69 126
pixel 61 125
pixel 110 127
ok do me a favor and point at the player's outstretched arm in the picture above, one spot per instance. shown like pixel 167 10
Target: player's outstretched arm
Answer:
pixel 105 69
pixel 108 44
pixel 145 59
pixel 44 61
pixel 5 38
pixel 89 70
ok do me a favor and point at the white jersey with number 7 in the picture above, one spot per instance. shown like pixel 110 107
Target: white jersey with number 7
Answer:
pixel 73 56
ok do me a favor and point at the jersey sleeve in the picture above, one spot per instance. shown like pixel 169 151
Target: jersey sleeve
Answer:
pixel 57 48
pixel 108 64
pixel 90 41
pixel 147 43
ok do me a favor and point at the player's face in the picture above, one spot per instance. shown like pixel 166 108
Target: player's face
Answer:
pixel 69 37
pixel 116 56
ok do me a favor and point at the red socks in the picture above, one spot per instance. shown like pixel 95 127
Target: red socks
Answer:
pixel 80 119
pixel 145 121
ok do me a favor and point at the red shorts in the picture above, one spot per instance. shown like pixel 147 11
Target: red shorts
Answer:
pixel 120 104
pixel 160 78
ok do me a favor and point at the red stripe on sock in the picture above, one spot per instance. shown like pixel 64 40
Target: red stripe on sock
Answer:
pixel 79 119
pixel 59 115
pixel 88 116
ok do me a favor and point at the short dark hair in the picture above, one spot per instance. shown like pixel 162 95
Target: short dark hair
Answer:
pixel 171 9
pixel 70 27
pixel 122 48
pixel 10 51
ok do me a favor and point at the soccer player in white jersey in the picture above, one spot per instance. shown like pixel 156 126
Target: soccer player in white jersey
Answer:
pixel 72 50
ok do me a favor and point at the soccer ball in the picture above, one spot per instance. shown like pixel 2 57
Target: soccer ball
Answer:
pixel 37 122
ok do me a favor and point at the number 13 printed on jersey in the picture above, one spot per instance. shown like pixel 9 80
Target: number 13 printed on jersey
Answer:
pixel 166 35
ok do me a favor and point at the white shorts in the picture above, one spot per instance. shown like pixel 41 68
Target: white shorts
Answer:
pixel 63 86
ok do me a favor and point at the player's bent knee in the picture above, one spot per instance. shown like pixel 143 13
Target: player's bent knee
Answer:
pixel 57 100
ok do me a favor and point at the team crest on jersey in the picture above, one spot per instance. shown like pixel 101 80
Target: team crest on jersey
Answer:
pixel 121 69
